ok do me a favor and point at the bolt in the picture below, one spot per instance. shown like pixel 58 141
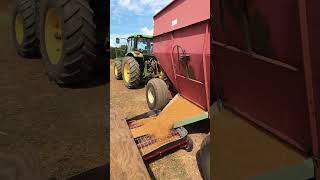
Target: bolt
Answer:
pixel 58 35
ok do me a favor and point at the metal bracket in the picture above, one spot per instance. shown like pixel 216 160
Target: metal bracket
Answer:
pixel 184 58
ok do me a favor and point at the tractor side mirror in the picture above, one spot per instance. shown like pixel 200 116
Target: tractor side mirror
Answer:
pixel 117 40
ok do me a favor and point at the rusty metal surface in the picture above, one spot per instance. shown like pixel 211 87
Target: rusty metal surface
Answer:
pixel 177 25
pixel 260 64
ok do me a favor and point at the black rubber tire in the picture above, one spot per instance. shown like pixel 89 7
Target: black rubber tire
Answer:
pixel 134 72
pixel 159 90
pixel 118 65
pixel 79 41
pixel 203 158
pixel 29 10
pixel 189 145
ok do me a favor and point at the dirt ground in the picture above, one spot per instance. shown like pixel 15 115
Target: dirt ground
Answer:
pixel 176 165
pixel 63 128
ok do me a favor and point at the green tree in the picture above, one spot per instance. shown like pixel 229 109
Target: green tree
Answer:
pixel 116 52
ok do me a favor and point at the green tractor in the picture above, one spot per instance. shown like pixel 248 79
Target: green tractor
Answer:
pixel 138 65
pixel 68 35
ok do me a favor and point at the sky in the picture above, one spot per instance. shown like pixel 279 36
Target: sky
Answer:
pixel 133 16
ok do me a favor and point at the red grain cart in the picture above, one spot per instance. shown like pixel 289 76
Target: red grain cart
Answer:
pixel 181 47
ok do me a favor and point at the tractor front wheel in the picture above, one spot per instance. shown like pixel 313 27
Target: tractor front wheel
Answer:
pixel 131 73
pixel 157 94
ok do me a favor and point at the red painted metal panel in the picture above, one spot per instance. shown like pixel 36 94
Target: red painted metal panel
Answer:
pixel 191 32
pixel 274 29
pixel 272 96
pixel 260 66
pixel 310 25
pixel 179 14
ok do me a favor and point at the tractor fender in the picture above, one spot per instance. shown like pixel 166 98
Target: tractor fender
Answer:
pixel 133 54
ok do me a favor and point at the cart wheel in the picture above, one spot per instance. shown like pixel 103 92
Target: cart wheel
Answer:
pixel 203 158
pixel 189 145
pixel 157 94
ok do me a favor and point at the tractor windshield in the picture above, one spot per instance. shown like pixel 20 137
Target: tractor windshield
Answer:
pixel 144 45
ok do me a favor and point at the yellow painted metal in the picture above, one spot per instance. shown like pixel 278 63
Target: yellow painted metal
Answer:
pixel 53 36
pixel 161 75
pixel 19 29
pixel 126 72
pixel 115 70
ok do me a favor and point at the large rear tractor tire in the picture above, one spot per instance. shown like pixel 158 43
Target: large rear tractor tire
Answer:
pixel 157 94
pixel 68 40
pixel 117 70
pixel 131 73
pixel 24 27
pixel 203 158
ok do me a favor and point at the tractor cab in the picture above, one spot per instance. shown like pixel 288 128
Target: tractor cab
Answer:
pixel 141 43
pixel 138 44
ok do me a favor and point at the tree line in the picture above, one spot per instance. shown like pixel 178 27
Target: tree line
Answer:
pixel 118 51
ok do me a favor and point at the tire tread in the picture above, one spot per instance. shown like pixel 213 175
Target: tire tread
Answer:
pixel 134 81
pixel 161 93
pixel 28 9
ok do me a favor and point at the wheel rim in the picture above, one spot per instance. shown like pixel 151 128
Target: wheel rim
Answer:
pixel 53 36
pixel 126 72
pixel 115 71
pixel 150 96
pixel 19 29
